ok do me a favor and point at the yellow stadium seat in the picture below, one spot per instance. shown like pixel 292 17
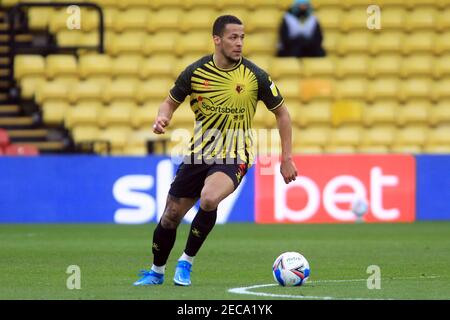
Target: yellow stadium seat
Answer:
pixel 377 139
pixel 160 65
pixel 330 18
pixel 353 65
pixel 441 66
pixel 440 89
pixel 385 65
pixel 331 40
pixel 289 88
pixel 84 133
pixel 344 139
pixel 254 4
pixel 160 4
pixel 230 3
pixel 144 116
pixel 126 66
pixel 440 113
pixel 422 18
pixel 54 112
pixel 412 4
pixel 61 65
pixel 267 19
pixel 312 88
pixel 132 19
pixel 312 137
pixel 157 88
pixel 420 41
pixel 319 3
pixel 190 4
pixel 90 20
pixel 199 42
pixel 95 65
pixel 387 41
pixel 59 20
pixel 141 4
pixel 240 12
pixel 352 88
pixel 417 65
pixel 86 91
pixel 83 114
pixel 183 117
pixel 442 44
pixel 165 19
pixel 285 67
pixel 410 139
pixel 183 62
pixel 345 112
pixel 438 140
pixel 355 42
pixel 117 136
pixel 197 19
pixel 354 19
pixel 380 113
pixel 319 67
pixel 414 112
pixel 29 85
pixel 120 90
pixel 69 38
pixel 55 91
pixel 108 3
pixel 263 61
pixel 116 114
pixel 442 21
pixel 110 15
pixel 383 88
pixel 39 17
pixel 29 65
pixel 393 18
pixel 260 116
pixel 127 42
pixel 315 113
pixel 161 42
pixel 414 88
pixel 260 42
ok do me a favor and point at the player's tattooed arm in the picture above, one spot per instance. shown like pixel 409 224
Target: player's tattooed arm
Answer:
pixel 165 113
pixel 288 168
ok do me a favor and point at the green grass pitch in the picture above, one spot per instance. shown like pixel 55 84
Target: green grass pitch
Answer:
pixel 414 261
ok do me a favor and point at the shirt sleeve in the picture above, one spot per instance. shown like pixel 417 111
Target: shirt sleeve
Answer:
pixel 182 87
pixel 268 92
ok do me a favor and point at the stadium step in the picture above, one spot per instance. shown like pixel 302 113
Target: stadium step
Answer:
pixel 28 135
pixel 8 110
pixel 17 122
pixel 47 146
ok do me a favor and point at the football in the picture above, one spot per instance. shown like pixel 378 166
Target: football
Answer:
pixel 291 269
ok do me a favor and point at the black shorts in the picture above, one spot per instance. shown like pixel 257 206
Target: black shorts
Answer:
pixel 190 178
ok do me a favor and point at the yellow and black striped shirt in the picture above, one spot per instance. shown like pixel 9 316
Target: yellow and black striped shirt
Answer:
pixel 224 102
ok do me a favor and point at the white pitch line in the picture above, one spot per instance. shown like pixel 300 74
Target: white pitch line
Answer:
pixel 246 290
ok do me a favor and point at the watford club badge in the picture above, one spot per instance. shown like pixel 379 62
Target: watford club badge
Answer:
pixel 239 88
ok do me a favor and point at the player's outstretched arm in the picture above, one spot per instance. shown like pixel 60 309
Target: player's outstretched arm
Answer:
pixel 166 110
pixel 288 169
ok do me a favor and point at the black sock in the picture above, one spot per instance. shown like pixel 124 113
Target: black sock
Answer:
pixel 163 241
pixel 202 224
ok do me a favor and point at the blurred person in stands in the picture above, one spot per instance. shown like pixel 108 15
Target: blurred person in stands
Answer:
pixel 300 34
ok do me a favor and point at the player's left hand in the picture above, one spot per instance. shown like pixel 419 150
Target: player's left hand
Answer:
pixel 288 170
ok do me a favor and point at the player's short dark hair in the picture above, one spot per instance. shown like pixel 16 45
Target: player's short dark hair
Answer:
pixel 221 22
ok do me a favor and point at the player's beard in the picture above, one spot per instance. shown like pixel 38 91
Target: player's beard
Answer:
pixel 229 58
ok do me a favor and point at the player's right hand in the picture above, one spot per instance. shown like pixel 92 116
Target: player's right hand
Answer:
pixel 160 123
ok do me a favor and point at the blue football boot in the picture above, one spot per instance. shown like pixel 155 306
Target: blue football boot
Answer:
pixel 183 274
pixel 149 278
